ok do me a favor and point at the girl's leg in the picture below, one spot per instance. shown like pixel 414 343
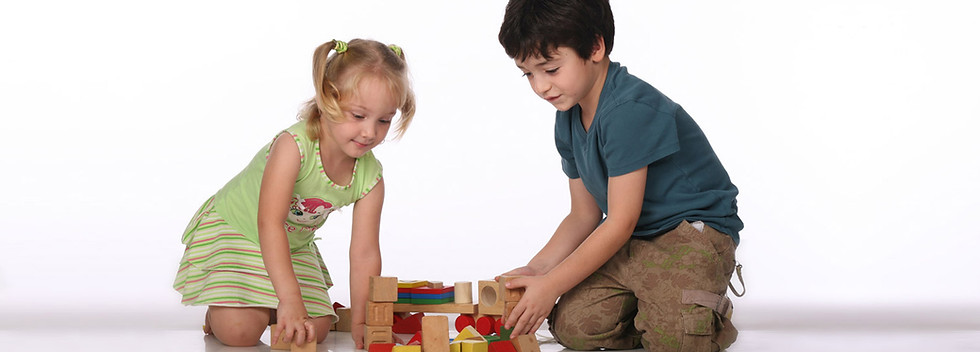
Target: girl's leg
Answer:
pixel 322 327
pixel 598 312
pixel 237 326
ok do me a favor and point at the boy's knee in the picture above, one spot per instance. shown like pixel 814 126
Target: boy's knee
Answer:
pixel 580 334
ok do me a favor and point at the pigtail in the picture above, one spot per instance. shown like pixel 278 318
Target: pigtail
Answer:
pixel 327 96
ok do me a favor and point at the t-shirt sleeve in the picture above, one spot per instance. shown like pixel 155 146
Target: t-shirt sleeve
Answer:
pixel 635 135
pixel 563 141
pixel 369 175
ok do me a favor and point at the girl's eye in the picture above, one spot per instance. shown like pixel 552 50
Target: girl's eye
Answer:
pixel 384 121
pixel 359 117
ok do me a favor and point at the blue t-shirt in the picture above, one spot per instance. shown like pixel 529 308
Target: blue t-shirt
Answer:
pixel 637 126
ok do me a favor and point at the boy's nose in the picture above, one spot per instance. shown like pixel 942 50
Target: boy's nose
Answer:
pixel 540 86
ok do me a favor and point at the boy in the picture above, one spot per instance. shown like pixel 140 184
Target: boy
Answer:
pixel 647 250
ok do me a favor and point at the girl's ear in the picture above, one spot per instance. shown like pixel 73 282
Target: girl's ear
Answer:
pixel 598 49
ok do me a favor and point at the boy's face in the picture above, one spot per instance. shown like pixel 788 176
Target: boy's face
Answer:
pixel 565 79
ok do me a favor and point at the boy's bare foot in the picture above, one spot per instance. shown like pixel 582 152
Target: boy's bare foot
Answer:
pixel 207 323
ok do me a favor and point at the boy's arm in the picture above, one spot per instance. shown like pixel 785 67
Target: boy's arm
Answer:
pixel 625 202
pixel 365 256
pixel 275 193
pixel 582 219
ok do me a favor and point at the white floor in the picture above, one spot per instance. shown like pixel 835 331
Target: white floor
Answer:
pixel 756 341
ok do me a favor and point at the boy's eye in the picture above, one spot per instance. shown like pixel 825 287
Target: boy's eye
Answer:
pixel 526 74
pixel 552 70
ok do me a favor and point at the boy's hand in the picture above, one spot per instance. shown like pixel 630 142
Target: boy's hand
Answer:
pixel 536 304
pixel 522 271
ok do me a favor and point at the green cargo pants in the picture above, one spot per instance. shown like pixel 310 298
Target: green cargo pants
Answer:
pixel 666 293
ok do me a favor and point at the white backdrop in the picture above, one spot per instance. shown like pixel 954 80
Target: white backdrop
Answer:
pixel 848 126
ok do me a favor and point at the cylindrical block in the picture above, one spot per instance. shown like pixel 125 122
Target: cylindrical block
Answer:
pixel 463 292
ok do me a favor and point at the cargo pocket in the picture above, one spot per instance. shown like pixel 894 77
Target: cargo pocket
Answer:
pixel 699 326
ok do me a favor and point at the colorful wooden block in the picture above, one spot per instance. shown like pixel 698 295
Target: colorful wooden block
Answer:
pixel 502 346
pixel 409 325
pixel 412 283
pixel 377 334
pixel 407 348
pixel 462 321
pixel 416 339
pixel 484 325
pixel 435 333
pixel 383 289
pixel 491 298
pixel 463 292
pixel 381 347
pixel 468 332
pixel 380 313
pixel 525 343
pixel 511 295
pixel 473 345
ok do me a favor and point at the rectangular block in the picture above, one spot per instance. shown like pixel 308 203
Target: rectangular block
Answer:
pixel 407 348
pixel 276 345
pixel 508 307
pixel 381 347
pixel 474 346
pixel 435 333
pixel 412 283
pixel 511 295
pixel 525 343
pixel 383 289
pixel 491 298
pixel 380 313
pixel 377 334
pixel 343 324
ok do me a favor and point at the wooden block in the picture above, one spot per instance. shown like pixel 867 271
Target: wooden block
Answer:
pixel 435 284
pixel 380 313
pixel 473 345
pixel 502 346
pixel 407 348
pixel 491 298
pixel 468 333
pixel 526 343
pixel 436 308
pixel 377 334
pixel 276 345
pixel 511 295
pixel 412 283
pixel 463 291
pixel 344 323
pixel 484 325
pixel 435 333
pixel 306 347
pixel 409 325
pixel 383 289
pixel 381 347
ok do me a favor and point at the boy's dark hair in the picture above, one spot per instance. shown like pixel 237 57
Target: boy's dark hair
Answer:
pixel 538 27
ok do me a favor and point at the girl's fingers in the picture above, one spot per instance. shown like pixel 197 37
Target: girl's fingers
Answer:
pixel 310 332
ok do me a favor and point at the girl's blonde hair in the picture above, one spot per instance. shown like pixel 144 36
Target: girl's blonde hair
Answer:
pixel 336 77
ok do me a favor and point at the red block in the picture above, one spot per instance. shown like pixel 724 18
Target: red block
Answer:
pixel 416 340
pixel 463 321
pixel 381 347
pixel 484 325
pixel 410 325
pixel 500 346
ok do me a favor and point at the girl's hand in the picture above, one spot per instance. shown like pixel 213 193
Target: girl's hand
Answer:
pixel 357 334
pixel 293 324
pixel 536 304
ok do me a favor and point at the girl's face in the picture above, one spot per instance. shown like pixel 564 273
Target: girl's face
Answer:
pixel 565 79
pixel 367 117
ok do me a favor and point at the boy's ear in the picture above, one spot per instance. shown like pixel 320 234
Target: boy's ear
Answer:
pixel 598 49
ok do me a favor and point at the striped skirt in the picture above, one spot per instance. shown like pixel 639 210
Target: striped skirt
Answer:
pixel 221 267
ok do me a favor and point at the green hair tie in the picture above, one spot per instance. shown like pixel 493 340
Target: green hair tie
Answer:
pixel 396 49
pixel 339 46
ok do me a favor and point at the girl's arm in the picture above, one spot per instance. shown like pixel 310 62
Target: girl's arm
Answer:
pixel 275 193
pixel 365 256
pixel 625 202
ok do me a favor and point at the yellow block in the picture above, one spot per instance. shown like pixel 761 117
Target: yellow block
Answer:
pixel 412 283
pixel 408 348
pixel 469 333
pixel 473 346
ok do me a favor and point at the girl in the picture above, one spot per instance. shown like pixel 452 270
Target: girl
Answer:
pixel 250 255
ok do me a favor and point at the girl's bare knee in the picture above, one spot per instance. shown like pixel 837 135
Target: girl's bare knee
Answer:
pixel 238 327
pixel 322 327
